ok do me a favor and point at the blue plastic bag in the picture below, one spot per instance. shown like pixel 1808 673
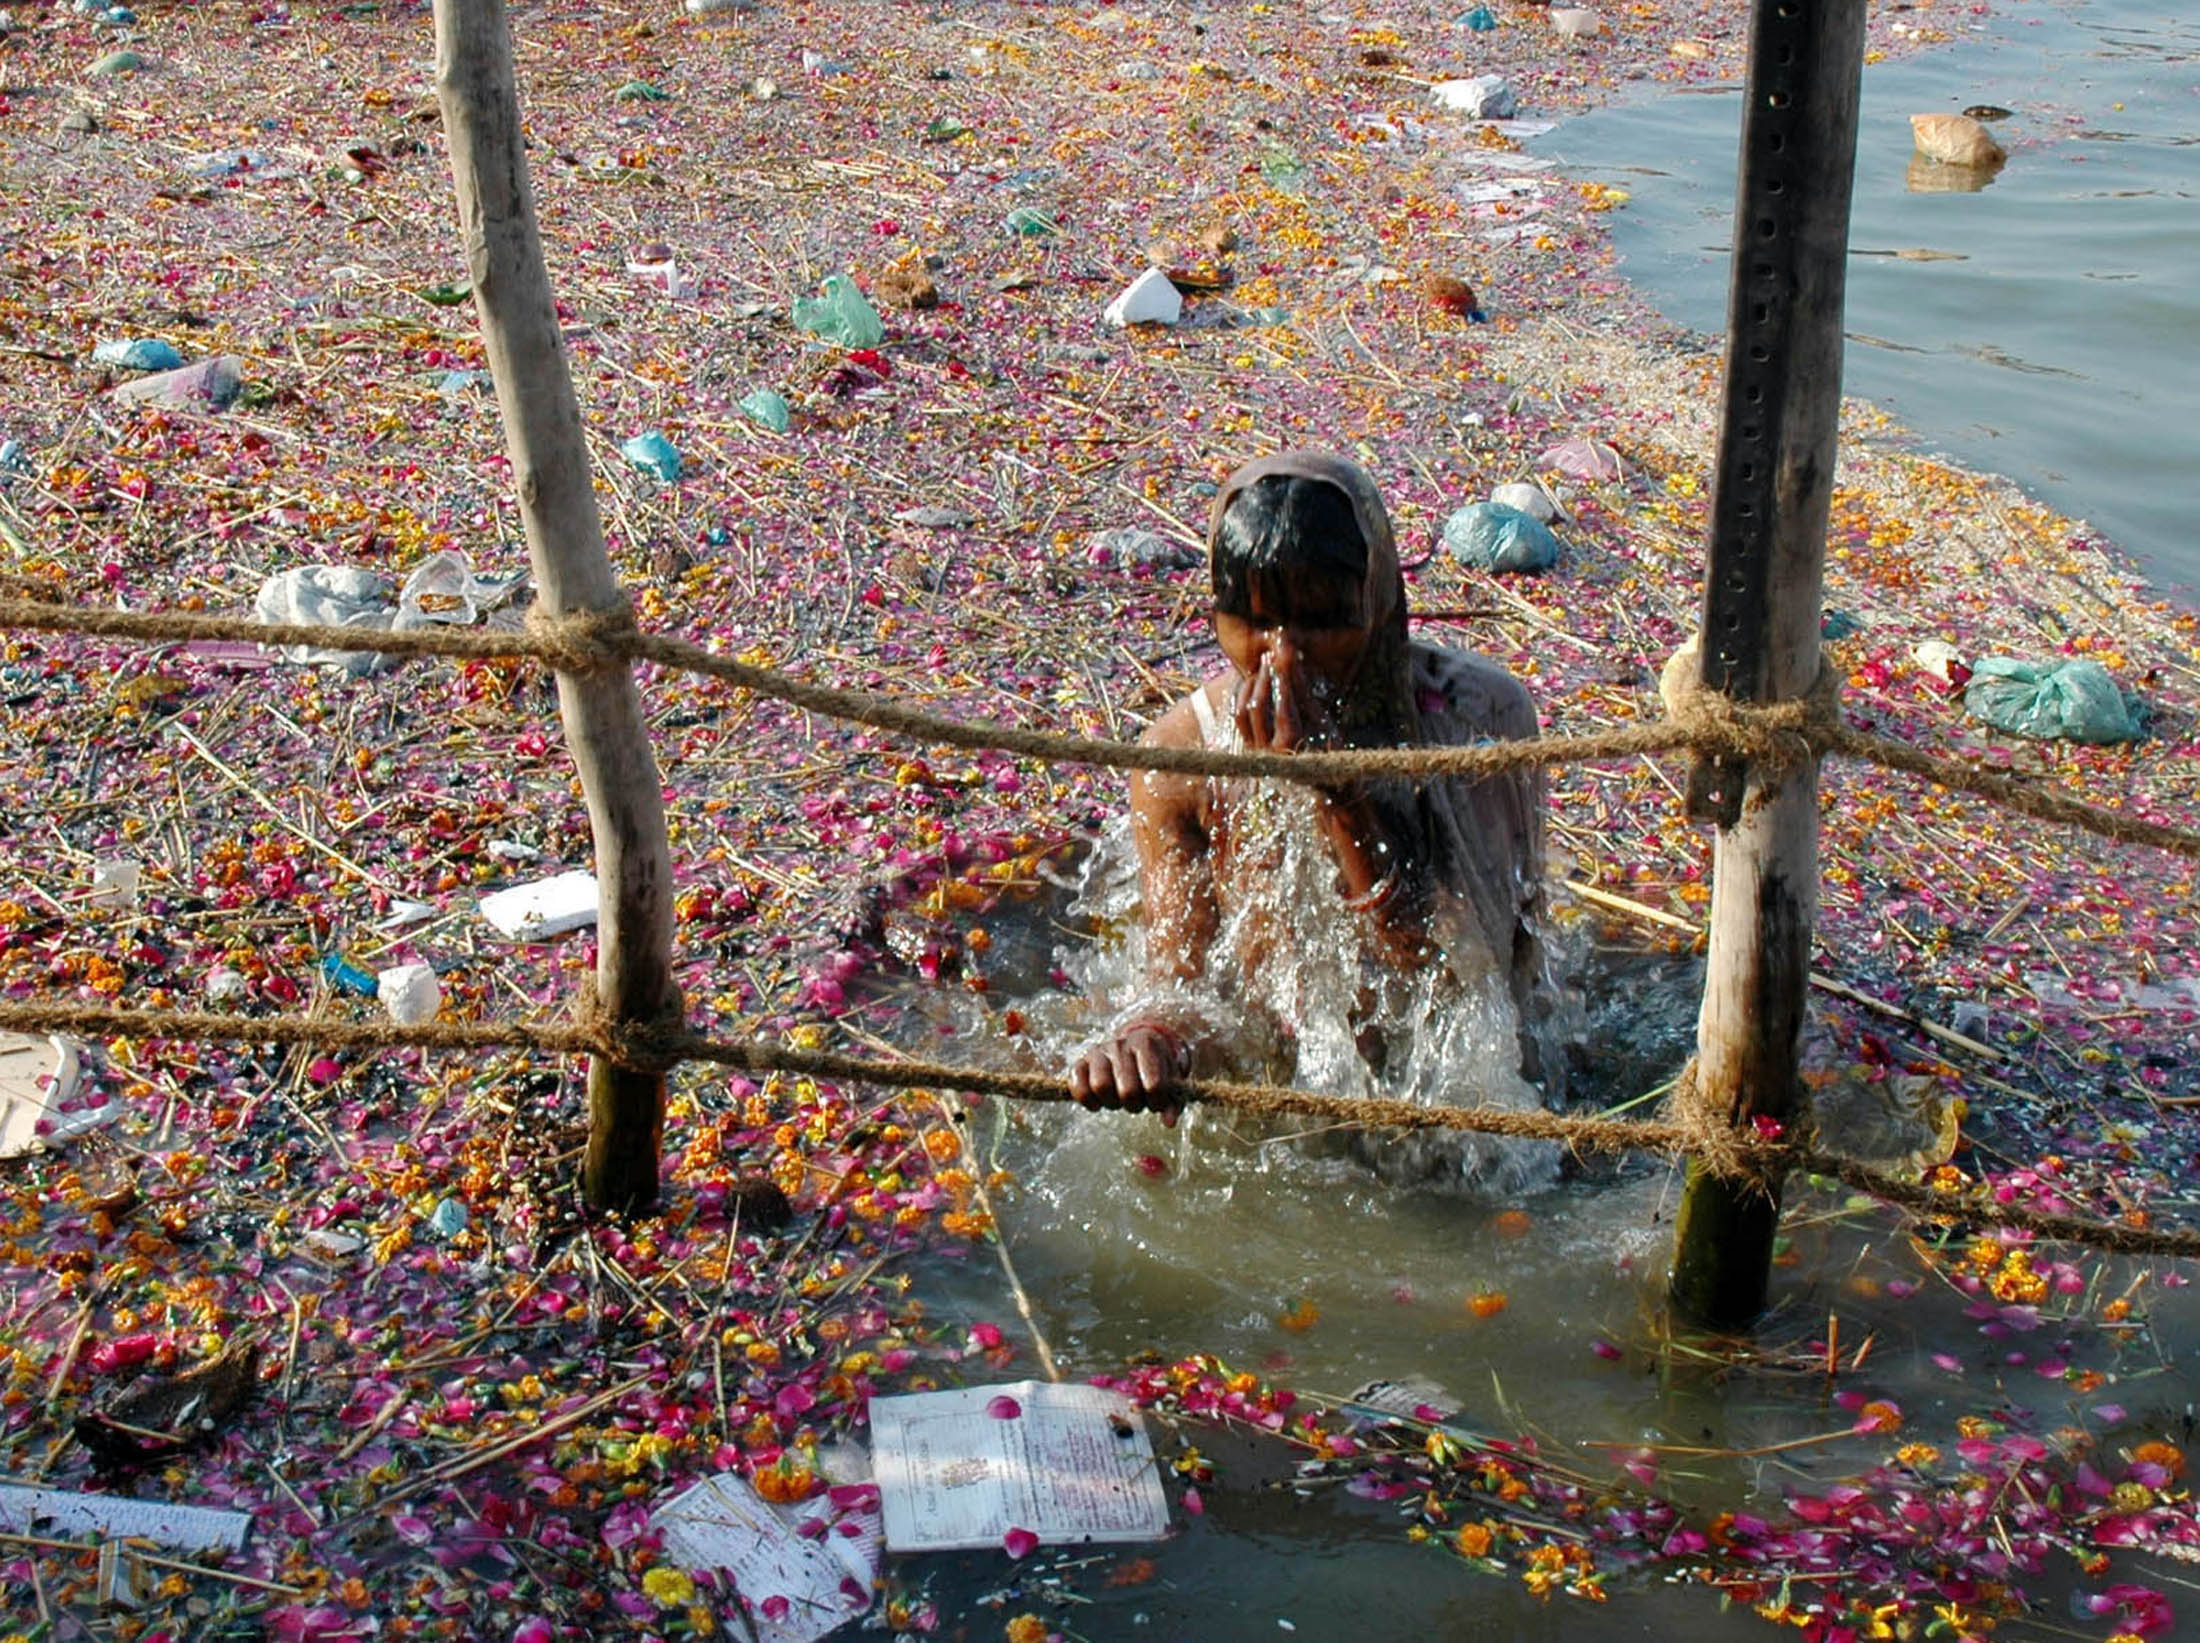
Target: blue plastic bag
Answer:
pixel 2050 701
pixel 1490 536
pixel 768 407
pixel 654 454
pixel 138 354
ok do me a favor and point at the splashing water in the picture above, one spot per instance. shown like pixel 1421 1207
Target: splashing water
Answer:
pixel 1291 995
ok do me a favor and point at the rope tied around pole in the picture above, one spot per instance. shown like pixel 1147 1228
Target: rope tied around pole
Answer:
pixel 1755 1158
pixel 1779 736
pixel 585 641
pixel 1749 1156
pixel 593 635
pixel 645 1046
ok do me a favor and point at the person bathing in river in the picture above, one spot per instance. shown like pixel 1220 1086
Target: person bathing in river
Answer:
pixel 1430 887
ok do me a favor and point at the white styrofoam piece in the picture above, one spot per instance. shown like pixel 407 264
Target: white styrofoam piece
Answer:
pixel 547 907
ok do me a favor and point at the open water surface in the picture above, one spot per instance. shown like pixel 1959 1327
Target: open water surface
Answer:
pixel 2051 330
pixel 1281 1256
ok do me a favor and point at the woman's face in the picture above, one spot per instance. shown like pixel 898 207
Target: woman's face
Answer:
pixel 1309 626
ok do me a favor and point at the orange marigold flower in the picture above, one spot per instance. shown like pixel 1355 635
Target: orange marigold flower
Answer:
pixel 2165 1455
pixel 1473 1540
pixel 1486 1303
pixel 1027 1628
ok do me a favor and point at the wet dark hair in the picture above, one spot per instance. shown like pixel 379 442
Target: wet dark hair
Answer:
pixel 1294 539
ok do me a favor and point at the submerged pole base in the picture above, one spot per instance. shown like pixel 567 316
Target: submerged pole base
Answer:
pixel 626 1122
pixel 1722 1250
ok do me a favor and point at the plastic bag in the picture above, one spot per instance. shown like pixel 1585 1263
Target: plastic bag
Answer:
pixel 139 354
pixel 337 596
pixel 2069 701
pixel 1585 459
pixel 460 596
pixel 653 454
pixel 769 407
pixel 210 385
pixel 840 313
pixel 1490 536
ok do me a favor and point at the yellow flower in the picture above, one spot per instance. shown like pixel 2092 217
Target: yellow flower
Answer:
pixel 2131 1497
pixel 1919 1455
pixel 1545 1571
pixel 668 1588
pixel 1027 1628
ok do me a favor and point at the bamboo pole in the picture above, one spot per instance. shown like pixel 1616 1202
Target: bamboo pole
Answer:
pixel 601 710
pixel 1762 593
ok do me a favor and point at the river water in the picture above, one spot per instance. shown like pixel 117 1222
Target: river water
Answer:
pixel 1533 1302
pixel 2052 346
pixel 2051 331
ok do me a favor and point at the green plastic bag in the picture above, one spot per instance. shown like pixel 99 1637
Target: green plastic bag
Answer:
pixel 839 313
pixel 2067 701
pixel 768 407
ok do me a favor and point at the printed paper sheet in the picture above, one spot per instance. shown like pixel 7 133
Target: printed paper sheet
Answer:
pixel 1065 1463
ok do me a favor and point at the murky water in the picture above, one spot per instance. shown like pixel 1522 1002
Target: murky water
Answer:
pixel 2049 347
pixel 2046 326
pixel 1530 1296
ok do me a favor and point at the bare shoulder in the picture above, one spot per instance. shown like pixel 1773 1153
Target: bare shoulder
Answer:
pixel 1465 698
pixel 1181 726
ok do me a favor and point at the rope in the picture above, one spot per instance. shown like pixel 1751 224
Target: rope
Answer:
pixel 1703 721
pixel 1721 1147
pixel 1779 735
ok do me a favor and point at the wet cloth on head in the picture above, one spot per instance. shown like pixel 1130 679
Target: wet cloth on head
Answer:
pixel 1481 840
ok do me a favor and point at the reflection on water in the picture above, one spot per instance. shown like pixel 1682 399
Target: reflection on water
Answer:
pixel 1936 177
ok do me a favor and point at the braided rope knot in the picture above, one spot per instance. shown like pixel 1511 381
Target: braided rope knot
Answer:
pixel 586 641
pixel 1749 1155
pixel 647 1046
pixel 1777 735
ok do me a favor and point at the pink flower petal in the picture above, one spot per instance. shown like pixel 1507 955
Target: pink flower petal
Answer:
pixel 1020 1542
pixel 1004 1408
pixel 1193 1504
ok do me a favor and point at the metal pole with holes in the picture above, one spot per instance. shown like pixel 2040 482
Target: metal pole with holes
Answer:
pixel 601 709
pixel 1762 590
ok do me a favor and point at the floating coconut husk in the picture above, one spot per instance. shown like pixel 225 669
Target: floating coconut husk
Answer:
pixel 1452 295
pixel 157 1417
pixel 1956 139
pixel 906 287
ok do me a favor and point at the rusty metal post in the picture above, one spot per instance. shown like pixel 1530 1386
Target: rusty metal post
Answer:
pixel 1762 594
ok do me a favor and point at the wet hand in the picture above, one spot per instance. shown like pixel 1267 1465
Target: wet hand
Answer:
pixel 1277 708
pixel 1136 1072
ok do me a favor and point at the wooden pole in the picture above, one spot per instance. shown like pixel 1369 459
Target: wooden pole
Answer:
pixel 1762 592
pixel 601 710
